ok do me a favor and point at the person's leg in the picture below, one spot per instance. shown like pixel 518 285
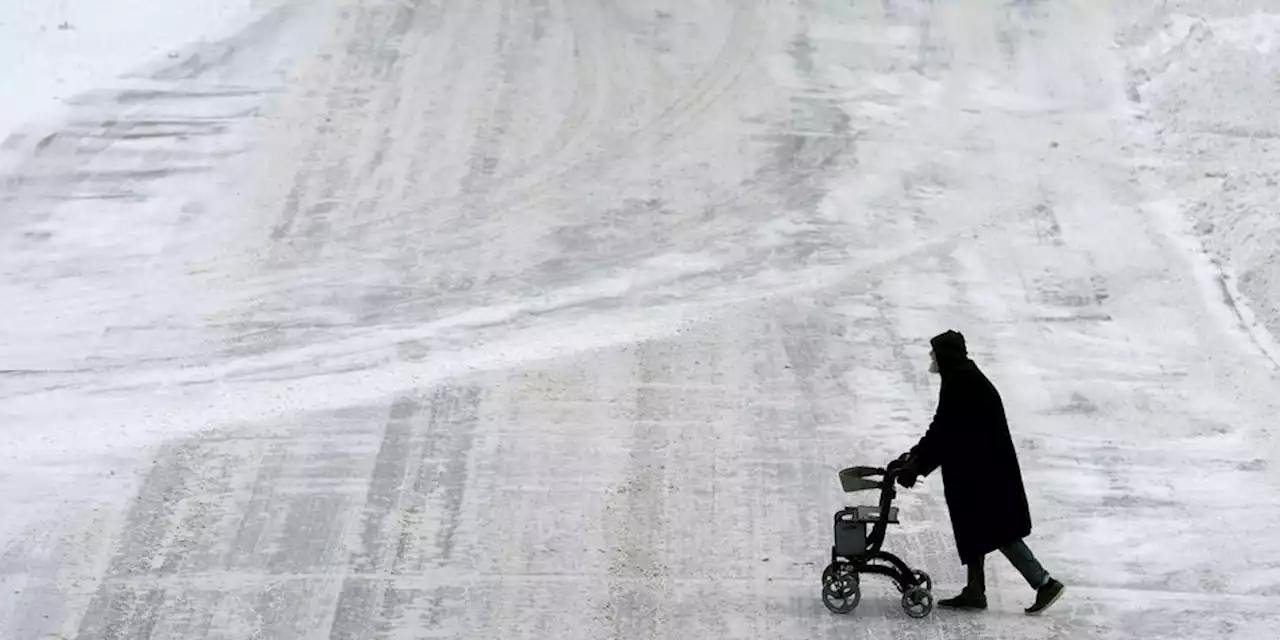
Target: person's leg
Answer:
pixel 1025 562
pixel 977 577
pixel 974 595
pixel 1047 589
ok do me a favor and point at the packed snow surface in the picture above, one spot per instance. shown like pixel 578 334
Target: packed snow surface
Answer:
pixel 557 318
pixel 53 50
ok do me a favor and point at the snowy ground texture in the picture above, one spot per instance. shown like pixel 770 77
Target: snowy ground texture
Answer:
pixel 556 318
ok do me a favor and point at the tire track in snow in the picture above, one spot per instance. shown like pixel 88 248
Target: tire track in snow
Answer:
pixel 371 56
pixel 731 59
pixel 428 96
pixel 542 185
pixel 283 550
pixel 814 371
pixel 487 130
pixel 637 521
pixel 591 88
pixel 813 145
pixel 513 50
pixel 401 259
pixel 274 504
pixel 412 514
pixel 386 487
pixel 116 610
pixel 532 31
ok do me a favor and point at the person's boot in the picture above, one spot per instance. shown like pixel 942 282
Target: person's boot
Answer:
pixel 1045 597
pixel 967 600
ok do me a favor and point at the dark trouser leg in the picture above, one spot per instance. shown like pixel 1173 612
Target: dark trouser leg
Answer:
pixel 1020 555
pixel 977 576
pixel 974 596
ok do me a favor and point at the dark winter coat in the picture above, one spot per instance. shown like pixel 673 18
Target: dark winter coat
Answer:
pixel 969 441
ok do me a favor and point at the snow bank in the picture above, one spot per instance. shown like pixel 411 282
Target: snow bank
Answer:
pixel 53 50
pixel 1208 87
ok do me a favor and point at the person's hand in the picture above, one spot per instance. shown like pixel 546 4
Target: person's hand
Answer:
pixel 901 461
pixel 909 474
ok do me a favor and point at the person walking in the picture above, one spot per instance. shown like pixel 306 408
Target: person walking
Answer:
pixel 969 441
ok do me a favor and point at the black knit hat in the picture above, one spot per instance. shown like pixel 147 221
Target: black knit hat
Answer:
pixel 949 345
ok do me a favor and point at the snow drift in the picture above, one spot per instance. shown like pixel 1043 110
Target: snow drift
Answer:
pixel 1202 82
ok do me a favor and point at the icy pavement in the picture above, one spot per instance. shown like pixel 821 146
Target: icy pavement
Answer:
pixel 540 319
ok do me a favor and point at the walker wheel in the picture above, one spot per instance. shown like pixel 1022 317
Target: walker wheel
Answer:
pixel 828 574
pixel 839 570
pixel 923 579
pixel 842 595
pixel 917 602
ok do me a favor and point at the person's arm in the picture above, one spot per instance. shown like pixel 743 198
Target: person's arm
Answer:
pixel 927 455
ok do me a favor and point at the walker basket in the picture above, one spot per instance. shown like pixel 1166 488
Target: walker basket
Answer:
pixel 855 479
pixel 850 534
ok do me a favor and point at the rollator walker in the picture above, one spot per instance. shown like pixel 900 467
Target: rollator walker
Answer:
pixel 857 553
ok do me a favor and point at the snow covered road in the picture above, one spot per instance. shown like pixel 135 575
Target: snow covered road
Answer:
pixel 556 319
